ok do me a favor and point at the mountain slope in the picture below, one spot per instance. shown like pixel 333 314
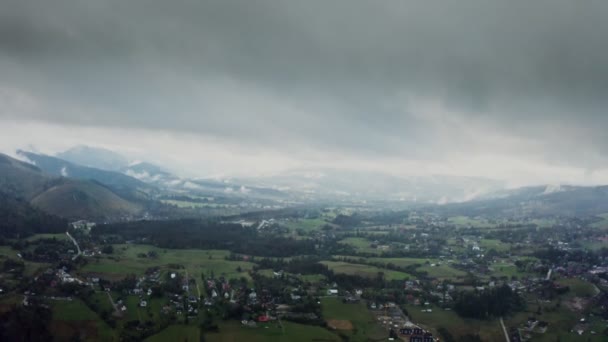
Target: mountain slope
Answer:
pixel 94 157
pixel 126 186
pixel 21 179
pixel 84 200
pixel 64 197
pixel 537 201
pixel 18 218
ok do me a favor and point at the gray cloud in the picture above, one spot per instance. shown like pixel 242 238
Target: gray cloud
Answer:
pixel 420 80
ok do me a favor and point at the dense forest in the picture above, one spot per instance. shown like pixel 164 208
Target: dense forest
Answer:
pixel 19 219
pixel 492 302
pixel 207 234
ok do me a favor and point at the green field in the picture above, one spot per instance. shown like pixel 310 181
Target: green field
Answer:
pixel 74 317
pixel 578 287
pixel 496 245
pixel 232 331
pixel 181 333
pixel 603 223
pixel 465 221
pixel 443 271
pixel 311 278
pixel 506 269
pixel 365 325
pixel 7 251
pixel 74 310
pixel 35 237
pixel 125 261
pixel 31 267
pixel 456 325
pixel 188 204
pixel 361 245
pixel 365 270
pixel 305 224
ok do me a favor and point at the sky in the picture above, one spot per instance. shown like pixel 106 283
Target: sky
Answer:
pixel 509 90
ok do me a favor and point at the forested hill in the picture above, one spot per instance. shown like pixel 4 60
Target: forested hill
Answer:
pixel 64 197
pixel 19 219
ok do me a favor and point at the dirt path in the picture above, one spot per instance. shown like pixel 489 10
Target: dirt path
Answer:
pixel 75 244
pixel 504 329
pixel 117 311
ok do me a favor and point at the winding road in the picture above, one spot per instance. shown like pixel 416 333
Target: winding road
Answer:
pixel 75 244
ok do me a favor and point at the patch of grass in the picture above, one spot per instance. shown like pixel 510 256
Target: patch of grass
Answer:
pixel 284 332
pixel 465 221
pixel 125 261
pixel 488 330
pixel 305 224
pixel 365 326
pixel 74 310
pixel 443 271
pixel 36 237
pixel 8 252
pixel 365 270
pixel 185 333
pixel 361 245
pixel 496 245
pixel 578 287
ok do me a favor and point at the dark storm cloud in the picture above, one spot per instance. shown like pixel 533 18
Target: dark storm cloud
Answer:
pixel 339 75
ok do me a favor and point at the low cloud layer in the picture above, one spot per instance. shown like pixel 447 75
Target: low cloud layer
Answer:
pixel 439 86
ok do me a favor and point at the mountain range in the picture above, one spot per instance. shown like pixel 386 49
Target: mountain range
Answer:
pixel 118 188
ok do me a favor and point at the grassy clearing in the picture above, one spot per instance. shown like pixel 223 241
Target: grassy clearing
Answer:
pixel 496 245
pixel 125 261
pixel 74 310
pixel 361 245
pixel 544 222
pixel 365 270
pixel 404 262
pixel 561 320
pixel 365 326
pixel 75 318
pixel 456 325
pixel 465 221
pixel 7 251
pixel 289 332
pixel 442 271
pixel 305 224
pixel 603 223
pixel 506 269
pixel 36 237
pixel 578 287
pixel 185 333
pixel 311 278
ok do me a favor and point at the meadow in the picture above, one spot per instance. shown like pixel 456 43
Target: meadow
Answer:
pixel 487 330
pixel 284 332
pixel 125 260
pixel 365 270
pixel 365 326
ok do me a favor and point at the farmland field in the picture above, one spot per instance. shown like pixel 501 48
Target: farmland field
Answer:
pixel 456 325
pixel 125 260
pixel 75 318
pixel 362 245
pixel 235 332
pixel 357 314
pixel 185 333
pixel 365 270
